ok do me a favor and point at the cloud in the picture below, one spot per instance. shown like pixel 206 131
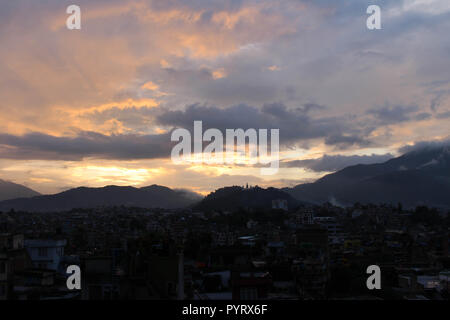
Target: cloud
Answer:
pixel 429 7
pixel 421 145
pixel 336 162
pixel 208 60
pixel 346 141
pixel 84 145
pixel 394 114
pixel 295 124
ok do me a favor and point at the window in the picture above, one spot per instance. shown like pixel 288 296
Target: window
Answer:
pixel 2 290
pixel 42 252
pixel 249 294
pixel 2 267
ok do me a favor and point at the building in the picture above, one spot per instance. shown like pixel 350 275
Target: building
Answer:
pixel 46 254
pixel 335 232
pixel 9 241
pixel 13 259
pixel 250 285
pixel 281 204
pixel 98 282
pixel 305 216
pixel 311 269
pixel 3 276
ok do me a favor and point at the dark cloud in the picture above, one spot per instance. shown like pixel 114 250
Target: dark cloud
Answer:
pixel 443 115
pixel 337 162
pixel 295 124
pixel 421 145
pixel 84 145
pixel 395 114
pixel 422 116
pixel 346 141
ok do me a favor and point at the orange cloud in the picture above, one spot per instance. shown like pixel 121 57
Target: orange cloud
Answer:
pixel 150 86
pixel 219 74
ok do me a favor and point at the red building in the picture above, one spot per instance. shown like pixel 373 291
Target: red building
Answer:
pixel 250 285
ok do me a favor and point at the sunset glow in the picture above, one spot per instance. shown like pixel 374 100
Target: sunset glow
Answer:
pixel 96 106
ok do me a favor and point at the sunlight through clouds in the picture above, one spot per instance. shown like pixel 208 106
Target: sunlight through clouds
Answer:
pixel 96 106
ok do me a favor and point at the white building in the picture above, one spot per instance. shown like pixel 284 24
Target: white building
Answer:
pixel 46 254
pixel 280 204
pixel 305 216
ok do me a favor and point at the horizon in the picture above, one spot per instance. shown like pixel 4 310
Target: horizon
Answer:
pixel 97 106
pixel 406 150
pixel 148 185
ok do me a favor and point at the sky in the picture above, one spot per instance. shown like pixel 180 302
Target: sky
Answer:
pixel 97 106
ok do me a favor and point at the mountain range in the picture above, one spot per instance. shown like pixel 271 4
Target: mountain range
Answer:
pixel 231 198
pixel 420 177
pixel 10 190
pixel 147 197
